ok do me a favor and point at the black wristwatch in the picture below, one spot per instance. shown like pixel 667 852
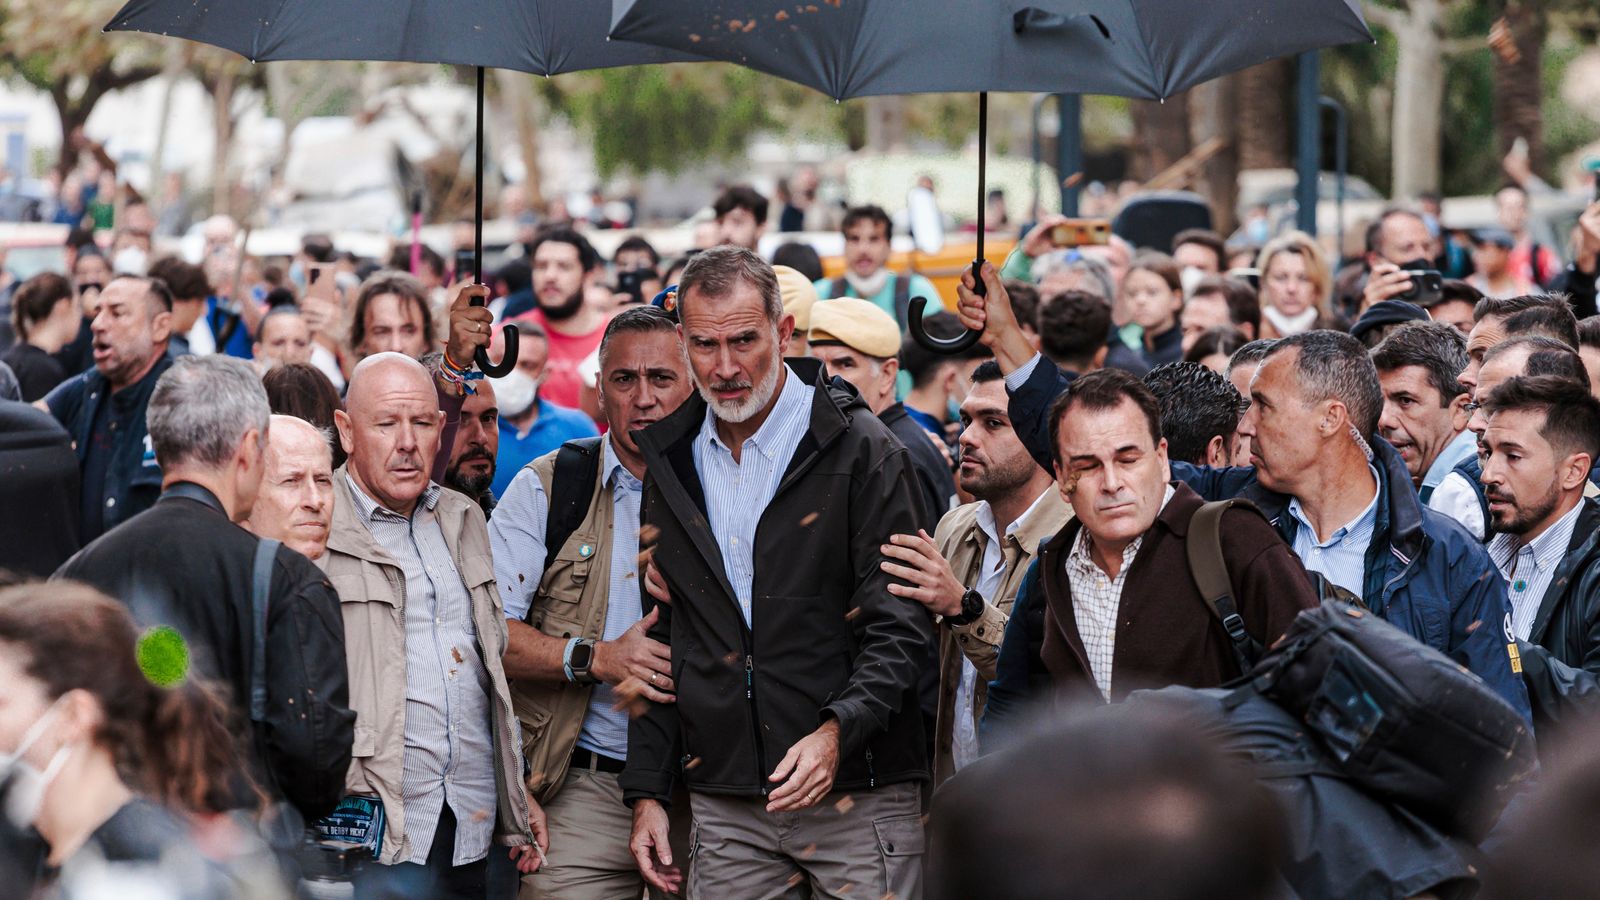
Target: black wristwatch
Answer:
pixel 582 660
pixel 971 609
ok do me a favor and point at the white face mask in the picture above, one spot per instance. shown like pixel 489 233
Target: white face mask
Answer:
pixel 24 784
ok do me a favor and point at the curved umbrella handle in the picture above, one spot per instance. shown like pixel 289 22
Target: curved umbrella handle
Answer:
pixel 942 345
pixel 508 361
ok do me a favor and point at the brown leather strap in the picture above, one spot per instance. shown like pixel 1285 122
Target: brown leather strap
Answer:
pixel 1210 572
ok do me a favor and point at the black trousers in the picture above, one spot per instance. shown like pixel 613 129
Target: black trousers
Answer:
pixel 437 878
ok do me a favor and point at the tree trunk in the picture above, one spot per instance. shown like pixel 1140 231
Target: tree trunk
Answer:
pixel 1418 98
pixel 1265 115
pixel 172 70
pixel 1518 82
pixel 222 129
pixel 1214 113
pixel 519 98
pixel 1160 134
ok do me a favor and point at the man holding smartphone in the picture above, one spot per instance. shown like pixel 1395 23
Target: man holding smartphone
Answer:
pixel 1397 245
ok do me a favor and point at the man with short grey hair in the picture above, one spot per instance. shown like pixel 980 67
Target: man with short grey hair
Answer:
pixel 184 563
pixel 295 504
pixel 796 727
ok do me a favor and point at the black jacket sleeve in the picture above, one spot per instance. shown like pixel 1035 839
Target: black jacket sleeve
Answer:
pixel 1560 693
pixel 1030 411
pixel 893 635
pixel 1580 288
pixel 655 738
pixel 309 724
pixel 1019 672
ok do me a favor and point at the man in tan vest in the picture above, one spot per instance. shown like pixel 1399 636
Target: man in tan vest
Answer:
pixel 968 573
pixel 578 642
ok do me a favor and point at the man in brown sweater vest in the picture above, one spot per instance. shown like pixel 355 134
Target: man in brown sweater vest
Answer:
pixel 1110 606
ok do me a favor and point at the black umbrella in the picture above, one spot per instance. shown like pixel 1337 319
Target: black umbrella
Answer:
pixel 541 37
pixel 856 48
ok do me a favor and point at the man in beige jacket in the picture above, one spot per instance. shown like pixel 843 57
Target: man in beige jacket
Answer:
pixel 968 573
pixel 436 740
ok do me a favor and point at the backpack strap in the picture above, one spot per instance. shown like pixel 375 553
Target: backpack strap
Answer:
pixel 838 288
pixel 260 592
pixel 902 298
pixel 572 484
pixel 1210 572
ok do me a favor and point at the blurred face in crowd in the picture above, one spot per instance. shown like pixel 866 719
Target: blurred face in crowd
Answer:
pixel 1403 239
pixel 559 280
pixel 90 274
pixel 735 351
pixel 1416 420
pixel 1196 256
pixel 1282 425
pixel 1488 332
pixel 873 377
pixel 1511 208
pixel 471 468
pixel 1455 313
pixel 1240 377
pixel 1490 259
pixel 1150 302
pixel 994 463
pixel 1117 256
pixel 392 429
pixel 1524 478
pixel 1201 313
pixel 1491 375
pixel 130 331
pixel 1286 285
pixel 866 247
pixel 533 353
pixel 739 228
pixel 632 258
pixel 394 324
pixel 295 502
pixel 1112 472
pixel 285 338
pixel 643 379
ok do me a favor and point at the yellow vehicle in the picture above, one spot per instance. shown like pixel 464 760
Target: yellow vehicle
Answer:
pixel 943 268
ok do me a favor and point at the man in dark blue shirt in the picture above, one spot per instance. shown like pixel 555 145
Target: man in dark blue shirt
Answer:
pixel 103 408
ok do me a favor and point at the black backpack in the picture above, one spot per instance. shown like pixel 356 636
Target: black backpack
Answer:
pixel 1399 718
pixel 571 490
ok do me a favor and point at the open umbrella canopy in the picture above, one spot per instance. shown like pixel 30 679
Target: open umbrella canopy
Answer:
pixel 857 48
pixel 543 37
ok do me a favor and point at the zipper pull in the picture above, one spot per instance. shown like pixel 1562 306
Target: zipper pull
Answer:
pixel 749 676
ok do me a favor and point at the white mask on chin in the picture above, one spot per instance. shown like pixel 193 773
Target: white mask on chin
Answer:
pixel 21 783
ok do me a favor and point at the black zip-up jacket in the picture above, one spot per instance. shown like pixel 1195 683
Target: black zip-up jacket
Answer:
pixel 1561 658
pixel 828 639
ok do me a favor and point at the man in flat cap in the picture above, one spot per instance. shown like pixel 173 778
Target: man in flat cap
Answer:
pixel 860 343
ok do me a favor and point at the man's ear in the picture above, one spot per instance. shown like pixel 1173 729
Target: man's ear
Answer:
pixel 1573 470
pixel 1100 357
pixel 1217 452
pixel 342 421
pixel 1459 416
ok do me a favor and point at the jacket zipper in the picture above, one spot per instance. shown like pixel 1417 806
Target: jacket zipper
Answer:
pixel 755 718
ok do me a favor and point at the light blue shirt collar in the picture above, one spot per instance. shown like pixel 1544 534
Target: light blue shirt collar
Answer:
pixel 1462 446
pixel 1358 529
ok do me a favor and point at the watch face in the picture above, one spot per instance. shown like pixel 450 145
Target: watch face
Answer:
pixel 582 655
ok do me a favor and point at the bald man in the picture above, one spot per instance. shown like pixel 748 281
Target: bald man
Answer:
pixel 425 634
pixel 295 503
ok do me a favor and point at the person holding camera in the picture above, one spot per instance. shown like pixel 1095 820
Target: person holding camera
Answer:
pixel 1398 244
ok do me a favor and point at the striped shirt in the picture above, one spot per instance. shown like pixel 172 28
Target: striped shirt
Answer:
pixel 737 493
pixel 1097 599
pixel 449 753
pixel 1528 567
pixel 1342 558
pixel 517 535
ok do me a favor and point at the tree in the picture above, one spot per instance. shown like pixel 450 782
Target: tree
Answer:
pixel 1160 134
pixel 59 48
pixel 1518 42
pixel 1266 114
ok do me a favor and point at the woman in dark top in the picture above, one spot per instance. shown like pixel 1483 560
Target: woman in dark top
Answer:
pixel 44 315
pixel 1152 294
pixel 95 755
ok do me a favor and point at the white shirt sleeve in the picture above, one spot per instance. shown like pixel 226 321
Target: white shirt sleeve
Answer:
pixel 516 538
pixel 1017 379
pixel 1455 498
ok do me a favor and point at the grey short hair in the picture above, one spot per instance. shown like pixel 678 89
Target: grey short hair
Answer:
pixel 1335 366
pixel 714 273
pixel 201 409
pixel 1063 261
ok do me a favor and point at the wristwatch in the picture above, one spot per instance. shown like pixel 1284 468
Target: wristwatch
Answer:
pixel 579 660
pixel 971 608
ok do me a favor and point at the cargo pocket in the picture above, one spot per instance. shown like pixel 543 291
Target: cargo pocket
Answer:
pixel 900 843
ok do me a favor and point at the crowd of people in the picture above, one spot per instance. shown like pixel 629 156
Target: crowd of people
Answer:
pixel 729 587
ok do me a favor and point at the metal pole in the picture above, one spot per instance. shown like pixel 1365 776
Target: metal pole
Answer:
pixel 1069 149
pixel 1341 154
pixel 1308 143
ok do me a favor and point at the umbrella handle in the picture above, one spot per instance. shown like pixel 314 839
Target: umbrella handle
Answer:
pixel 508 360
pixel 943 345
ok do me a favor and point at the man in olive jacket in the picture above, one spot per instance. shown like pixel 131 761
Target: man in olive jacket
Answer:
pixel 796 728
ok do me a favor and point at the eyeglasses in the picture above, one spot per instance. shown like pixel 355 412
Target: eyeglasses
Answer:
pixel 1471 408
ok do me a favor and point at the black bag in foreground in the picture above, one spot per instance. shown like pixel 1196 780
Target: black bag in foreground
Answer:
pixel 1400 718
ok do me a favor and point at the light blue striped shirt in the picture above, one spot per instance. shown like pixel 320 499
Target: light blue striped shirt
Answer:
pixel 516 537
pixel 737 493
pixel 449 752
pixel 1342 558
pixel 1529 566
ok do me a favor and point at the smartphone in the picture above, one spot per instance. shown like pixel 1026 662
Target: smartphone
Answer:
pixel 319 280
pixel 464 261
pixel 1081 233
pixel 1427 286
pixel 631 283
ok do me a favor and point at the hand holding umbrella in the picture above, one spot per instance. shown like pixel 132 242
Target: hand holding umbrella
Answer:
pixel 985 311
